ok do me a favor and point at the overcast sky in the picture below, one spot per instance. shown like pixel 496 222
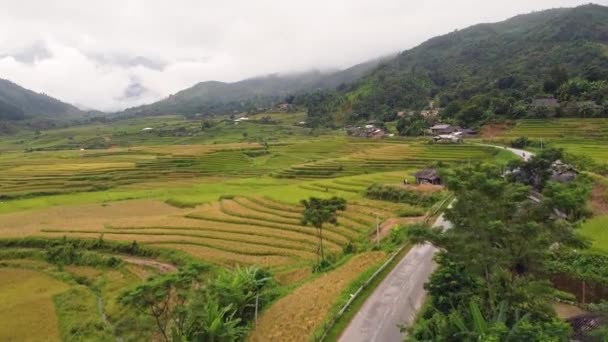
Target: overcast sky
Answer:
pixel 114 54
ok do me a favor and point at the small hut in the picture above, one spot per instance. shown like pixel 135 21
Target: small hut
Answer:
pixel 427 176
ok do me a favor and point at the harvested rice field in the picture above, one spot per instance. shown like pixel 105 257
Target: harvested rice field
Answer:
pixel 295 316
pixel 26 301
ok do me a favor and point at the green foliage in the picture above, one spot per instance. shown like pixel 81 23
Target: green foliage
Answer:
pixel 72 254
pixel 186 308
pixel 163 298
pixel 78 316
pixel 556 77
pixel 70 248
pixel 570 198
pixel 521 142
pixel 399 195
pixel 581 265
pixel 209 321
pixel 239 287
pixel 412 125
pixel 318 211
pixel 450 286
pixel 583 90
pixel 537 170
pixel 493 263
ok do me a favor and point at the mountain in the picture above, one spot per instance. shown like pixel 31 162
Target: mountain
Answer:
pixel 214 97
pixel 484 68
pixel 18 103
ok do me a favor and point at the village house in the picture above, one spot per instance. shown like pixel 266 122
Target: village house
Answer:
pixel 455 137
pixel 367 131
pixel 427 176
pixel 443 129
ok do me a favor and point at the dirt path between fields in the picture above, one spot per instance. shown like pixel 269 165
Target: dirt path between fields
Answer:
pixel 160 266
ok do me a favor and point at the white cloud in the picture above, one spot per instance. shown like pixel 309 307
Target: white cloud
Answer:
pixel 97 49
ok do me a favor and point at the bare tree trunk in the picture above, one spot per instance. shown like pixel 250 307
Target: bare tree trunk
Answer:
pixel 320 231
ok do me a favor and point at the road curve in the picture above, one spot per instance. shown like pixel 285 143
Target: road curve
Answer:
pixel 397 299
pixel 525 155
pixel 400 295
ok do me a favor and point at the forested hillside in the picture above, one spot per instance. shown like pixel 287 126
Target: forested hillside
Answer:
pixel 19 103
pixel 214 97
pixel 484 70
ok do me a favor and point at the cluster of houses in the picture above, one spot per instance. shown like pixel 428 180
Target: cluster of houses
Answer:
pixel 450 134
pixel 367 131
pixel 440 132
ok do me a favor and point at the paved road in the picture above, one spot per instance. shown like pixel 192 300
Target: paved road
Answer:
pixel 401 294
pixel 397 299
pixel 525 155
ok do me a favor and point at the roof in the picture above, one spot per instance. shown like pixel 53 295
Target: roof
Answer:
pixel 548 102
pixel 427 174
pixel 582 325
pixel 441 126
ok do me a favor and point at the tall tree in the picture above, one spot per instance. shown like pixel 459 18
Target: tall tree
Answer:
pixel 318 211
pixel 501 242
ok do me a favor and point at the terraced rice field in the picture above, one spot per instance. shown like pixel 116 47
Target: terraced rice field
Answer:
pixel 37 173
pixel 566 128
pixel 578 136
pixel 258 224
pixel 386 157
pixel 243 230
pixel 234 203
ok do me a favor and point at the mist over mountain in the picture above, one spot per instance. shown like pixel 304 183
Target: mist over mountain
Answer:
pixel 512 58
pixel 213 97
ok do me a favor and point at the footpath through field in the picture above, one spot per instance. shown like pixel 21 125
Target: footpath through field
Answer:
pixel 400 295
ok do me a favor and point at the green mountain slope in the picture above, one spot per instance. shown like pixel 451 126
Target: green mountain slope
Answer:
pixel 488 66
pixel 214 97
pixel 19 103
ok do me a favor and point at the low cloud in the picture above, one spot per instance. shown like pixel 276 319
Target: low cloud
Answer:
pixel 121 53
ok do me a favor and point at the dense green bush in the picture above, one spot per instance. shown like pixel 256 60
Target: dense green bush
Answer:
pixel 581 265
pixel 99 245
pixel 398 195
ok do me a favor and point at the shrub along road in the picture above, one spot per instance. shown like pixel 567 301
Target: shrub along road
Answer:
pixel 398 298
